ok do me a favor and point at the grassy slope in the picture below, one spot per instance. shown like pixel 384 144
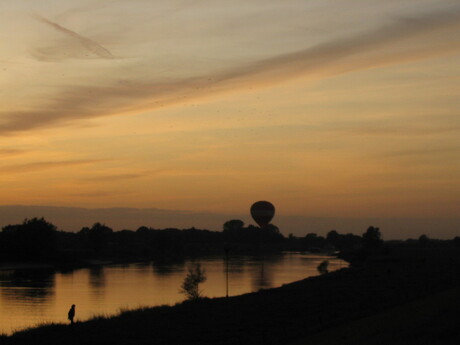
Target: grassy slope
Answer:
pixel 431 320
pixel 308 310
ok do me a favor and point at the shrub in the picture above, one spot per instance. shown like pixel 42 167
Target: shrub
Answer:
pixel 190 286
pixel 322 267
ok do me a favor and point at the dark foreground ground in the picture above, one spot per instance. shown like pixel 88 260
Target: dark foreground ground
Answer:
pixel 405 297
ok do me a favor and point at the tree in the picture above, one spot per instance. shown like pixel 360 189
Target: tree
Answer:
pixel 190 286
pixel 233 225
pixel 33 239
pixel 99 236
pixel 457 241
pixel 333 237
pixel 372 238
pixel 234 231
pixel 423 241
pixel 312 241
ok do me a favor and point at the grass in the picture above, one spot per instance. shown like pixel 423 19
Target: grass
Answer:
pixel 431 320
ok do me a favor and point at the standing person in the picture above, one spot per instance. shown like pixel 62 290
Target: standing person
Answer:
pixel 71 314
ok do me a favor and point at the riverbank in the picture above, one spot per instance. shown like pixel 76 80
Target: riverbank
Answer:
pixel 293 313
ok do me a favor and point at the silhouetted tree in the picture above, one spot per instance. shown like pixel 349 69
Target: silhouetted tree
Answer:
pixel 142 230
pixel 372 238
pixel 312 241
pixel 33 239
pixel 423 241
pixel 233 225
pixel 99 236
pixel 190 286
pixel 457 241
pixel 333 237
pixel 271 234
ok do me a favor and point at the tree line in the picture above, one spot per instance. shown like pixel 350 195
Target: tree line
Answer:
pixel 39 240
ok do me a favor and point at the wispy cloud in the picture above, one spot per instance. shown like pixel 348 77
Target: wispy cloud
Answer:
pixel 361 51
pixel 30 167
pixel 423 152
pixel 113 177
pixel 97 194
pixel 85 42
pixel 11 152
pixel 386 129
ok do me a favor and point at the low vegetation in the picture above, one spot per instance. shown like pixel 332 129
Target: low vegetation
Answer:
pixel 191 285
pixel 323 267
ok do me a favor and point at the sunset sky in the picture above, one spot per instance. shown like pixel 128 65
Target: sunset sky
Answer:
pixel 341 110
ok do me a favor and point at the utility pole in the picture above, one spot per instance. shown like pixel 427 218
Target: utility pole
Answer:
pixel 227 249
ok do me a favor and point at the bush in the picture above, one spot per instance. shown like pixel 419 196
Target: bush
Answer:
pixel 322 267
pixel 190 285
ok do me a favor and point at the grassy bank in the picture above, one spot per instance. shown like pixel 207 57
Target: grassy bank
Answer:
pixel 296 312
pixel 432 320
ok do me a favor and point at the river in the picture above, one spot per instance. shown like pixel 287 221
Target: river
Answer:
pixel 30 297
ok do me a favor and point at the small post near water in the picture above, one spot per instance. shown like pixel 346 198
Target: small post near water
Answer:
pixel 227 249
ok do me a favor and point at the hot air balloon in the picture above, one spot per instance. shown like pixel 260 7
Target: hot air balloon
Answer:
pixel 262 212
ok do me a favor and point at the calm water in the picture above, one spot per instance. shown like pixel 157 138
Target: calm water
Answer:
pixel 31 297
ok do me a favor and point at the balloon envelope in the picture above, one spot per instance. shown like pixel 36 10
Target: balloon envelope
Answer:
pixel 262 212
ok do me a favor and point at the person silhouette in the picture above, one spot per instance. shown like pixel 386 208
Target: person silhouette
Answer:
pixel 71 314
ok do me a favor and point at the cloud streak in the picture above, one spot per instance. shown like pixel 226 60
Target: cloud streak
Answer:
pixel 385 129
pixel 423 152
pixel 112 178
pixel 11 152
pixel 386 45
pixel 31 167
pixel 90 45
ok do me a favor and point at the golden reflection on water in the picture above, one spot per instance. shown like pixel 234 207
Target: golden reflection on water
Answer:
pixel 32 297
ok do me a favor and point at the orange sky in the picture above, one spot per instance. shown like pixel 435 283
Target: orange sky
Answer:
pixel 330 109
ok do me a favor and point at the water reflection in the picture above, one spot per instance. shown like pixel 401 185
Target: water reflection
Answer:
pixel 262 271
pixel 97 280
pixel 34 286
pixel 142 265
pixel 32 296
pixel 263 279
pixel 167 268
pixel 236 264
